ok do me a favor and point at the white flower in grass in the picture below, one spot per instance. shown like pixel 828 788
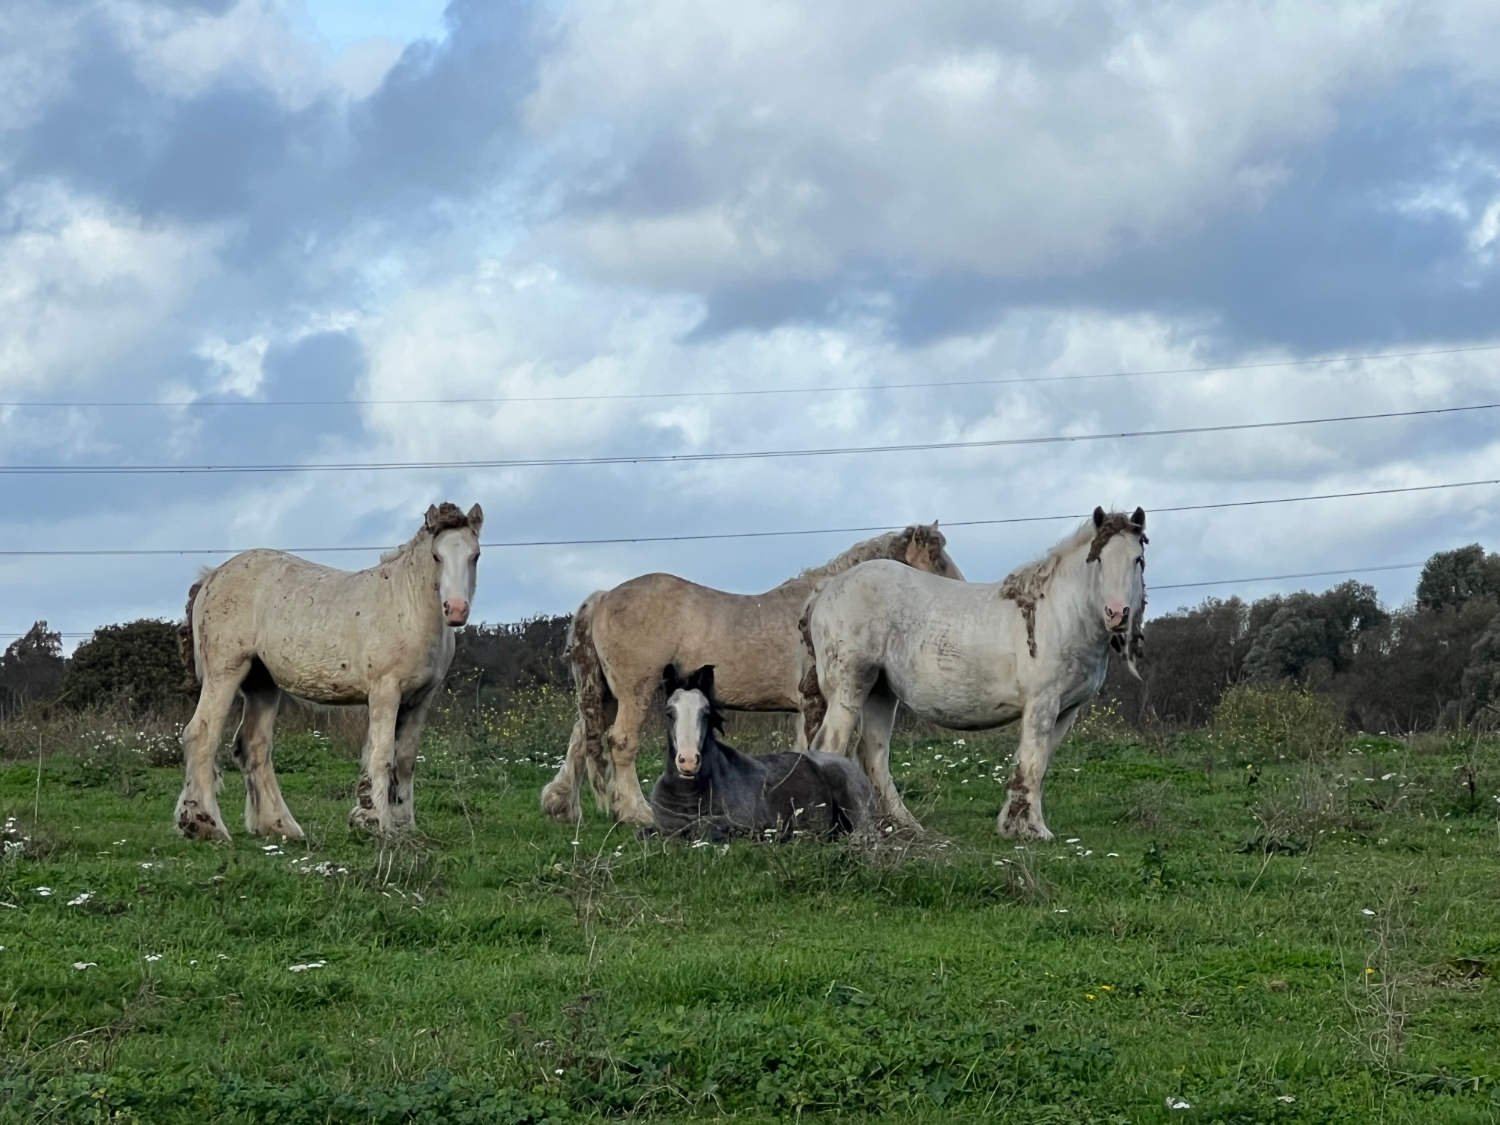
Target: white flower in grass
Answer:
pixel 147 866
pixel 152 957
pixel 1367 912
pixel 81 898
pixel 82 965
pixel 1179 1103
pixel 1286 1099
pixel 306 966
pixel 45 892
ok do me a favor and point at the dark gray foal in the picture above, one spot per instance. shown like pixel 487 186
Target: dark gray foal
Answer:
pixel 712 791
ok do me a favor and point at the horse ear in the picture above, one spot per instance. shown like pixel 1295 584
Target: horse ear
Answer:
pixel 476 518
pixel 1098 517
pixel 703 680
pixel 1138 519
pixel 430 521
pixel 670 679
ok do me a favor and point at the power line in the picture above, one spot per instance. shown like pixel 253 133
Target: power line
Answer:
pixel 748 391
pixel 1150 586
pixel 686 458
pixel 65 552
pixel 1281 577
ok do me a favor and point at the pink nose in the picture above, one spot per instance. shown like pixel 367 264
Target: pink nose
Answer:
pixel 457 610
pixel 1115 613
pixel 687 764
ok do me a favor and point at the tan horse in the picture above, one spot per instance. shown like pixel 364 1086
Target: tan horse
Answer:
pixel 267 622
pixel 621 639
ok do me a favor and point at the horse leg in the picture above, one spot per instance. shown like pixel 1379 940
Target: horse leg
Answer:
pixel 875 756
pixel 411 717
pixel 625 797
pixel 266 813
pixel 1042 728
pixel 560 795
pixel 197 814
pixel 377 777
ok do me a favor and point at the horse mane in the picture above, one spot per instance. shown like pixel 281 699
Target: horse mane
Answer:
pixel 1028 584
pixel 884 546
pixel 446 516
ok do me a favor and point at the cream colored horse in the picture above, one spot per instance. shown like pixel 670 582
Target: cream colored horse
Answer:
pixel 267 622
pixel 972 656
pixel 621 639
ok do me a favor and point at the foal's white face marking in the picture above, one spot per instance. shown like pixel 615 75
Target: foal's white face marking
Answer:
pixel 688 714
pixel 1122 579
pixel 456 552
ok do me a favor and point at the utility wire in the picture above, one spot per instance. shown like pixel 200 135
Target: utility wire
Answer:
pixel 1150 585
pixel 744 455
pixel 67 552
pixel 747 391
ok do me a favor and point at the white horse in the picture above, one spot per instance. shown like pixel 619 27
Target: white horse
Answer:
pixel 973 656
pixel 267 622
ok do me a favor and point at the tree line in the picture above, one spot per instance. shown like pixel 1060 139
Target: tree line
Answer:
pixel 1432 663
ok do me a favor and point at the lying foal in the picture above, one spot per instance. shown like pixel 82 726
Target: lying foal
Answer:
pixel 712 791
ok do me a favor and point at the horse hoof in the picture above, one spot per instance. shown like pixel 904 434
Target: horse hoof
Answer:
pixel 361 817
pixel 1022 830
pixel 198 824
pixel 561 803
pixel 641 818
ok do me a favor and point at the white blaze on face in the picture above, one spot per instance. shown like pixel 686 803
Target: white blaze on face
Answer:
pixel 456 552
pixel 1122 580
pixel 687 711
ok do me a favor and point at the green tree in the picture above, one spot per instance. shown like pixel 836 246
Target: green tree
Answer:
pixel 1481 679
pixel 1454 577
pixel 1306 637
pixel 32 667
pixel 137 665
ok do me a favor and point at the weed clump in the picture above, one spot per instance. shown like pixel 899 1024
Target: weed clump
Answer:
pixel 1270 722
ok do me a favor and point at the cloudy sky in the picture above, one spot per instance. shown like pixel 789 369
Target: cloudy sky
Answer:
pixel 210 207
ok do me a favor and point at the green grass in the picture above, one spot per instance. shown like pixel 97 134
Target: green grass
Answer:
pixel 1286 942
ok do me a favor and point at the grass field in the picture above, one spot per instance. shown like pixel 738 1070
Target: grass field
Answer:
pixel 1255 938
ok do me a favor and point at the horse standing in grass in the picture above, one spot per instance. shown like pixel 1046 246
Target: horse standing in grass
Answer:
pixel 620 640
pixel 712 791
pixel 267 622
pixel 973 656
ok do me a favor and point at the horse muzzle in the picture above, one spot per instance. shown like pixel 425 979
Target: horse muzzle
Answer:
pixel 456 610
pixel 1116 617
pixel 688 770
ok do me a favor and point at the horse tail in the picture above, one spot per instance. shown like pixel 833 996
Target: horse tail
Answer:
pixel 185 633
pixel 593 699
pixel 813 705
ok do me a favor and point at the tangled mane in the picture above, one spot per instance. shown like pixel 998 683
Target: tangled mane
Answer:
pixel 1027 585
pixel 890 545
pixel 446 516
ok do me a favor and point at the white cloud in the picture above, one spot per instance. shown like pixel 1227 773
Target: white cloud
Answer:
pixel 236 368
pixel 81 282
pixel 782 140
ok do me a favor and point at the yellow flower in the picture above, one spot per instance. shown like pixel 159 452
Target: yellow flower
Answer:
pixel 1106 988
pixel 1088 996
pixel 1369 972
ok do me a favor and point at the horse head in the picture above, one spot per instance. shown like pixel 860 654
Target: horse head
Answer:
pixel 692 719
pixel 1119 547
pixel 455 553
pixel 924 547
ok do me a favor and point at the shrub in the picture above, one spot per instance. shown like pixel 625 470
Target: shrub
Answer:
pixel 1269 721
